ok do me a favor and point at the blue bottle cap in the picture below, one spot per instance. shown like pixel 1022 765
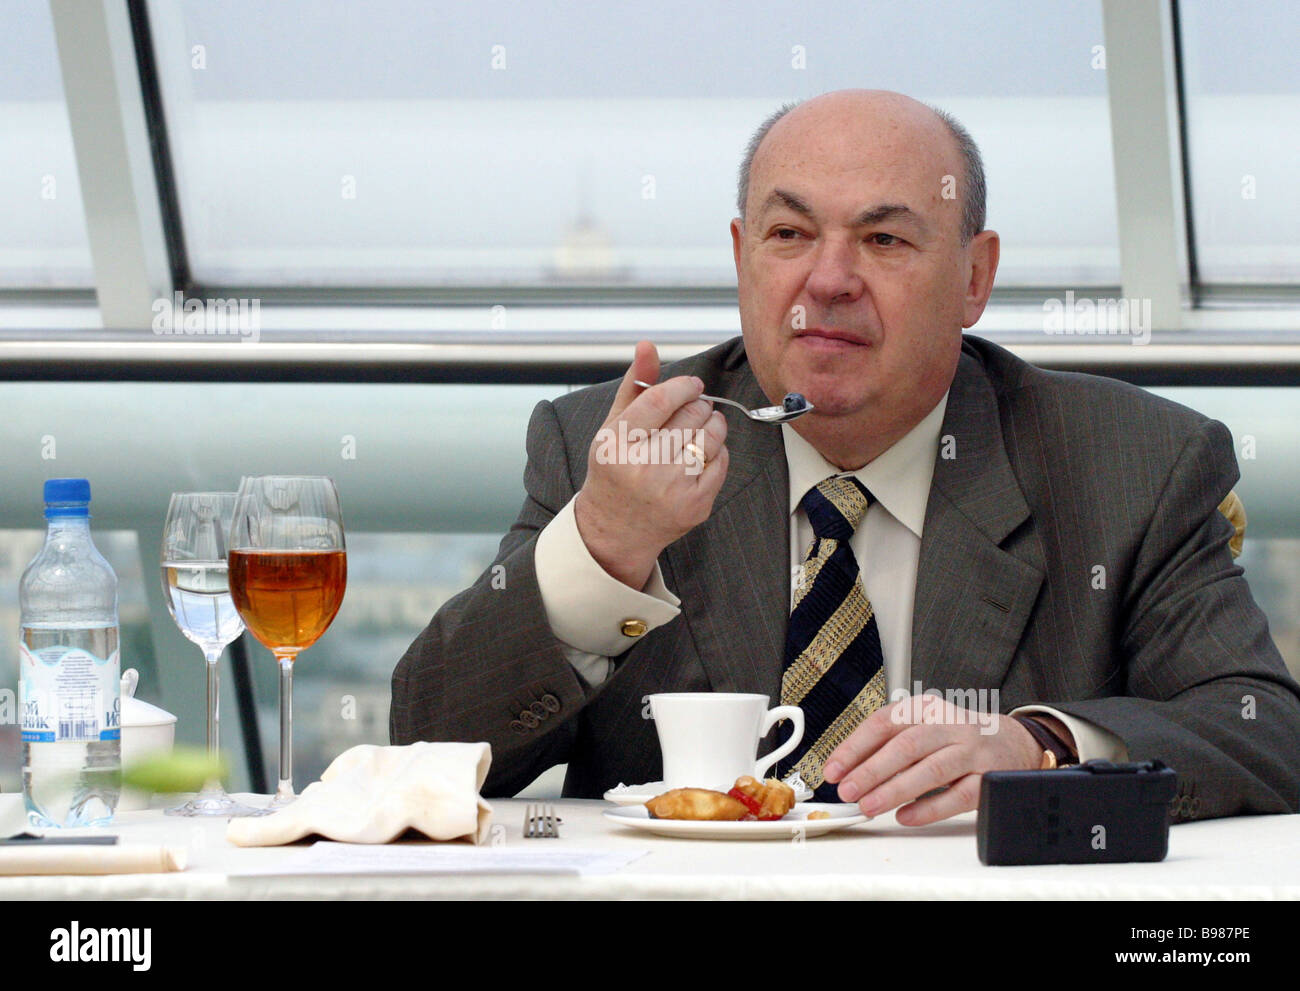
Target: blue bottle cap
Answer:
pixel 66 497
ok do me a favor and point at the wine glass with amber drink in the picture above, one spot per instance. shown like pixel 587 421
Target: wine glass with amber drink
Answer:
pixel 288 570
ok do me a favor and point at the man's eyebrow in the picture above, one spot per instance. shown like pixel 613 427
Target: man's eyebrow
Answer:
pixel 779 197
pixel 889 211
pixel 869 216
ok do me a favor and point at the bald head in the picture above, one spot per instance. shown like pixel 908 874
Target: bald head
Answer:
pixel 871 117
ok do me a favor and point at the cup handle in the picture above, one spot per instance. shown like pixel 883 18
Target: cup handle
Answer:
pixel 774 716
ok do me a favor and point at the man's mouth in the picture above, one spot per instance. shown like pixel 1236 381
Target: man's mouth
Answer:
pixel 830 338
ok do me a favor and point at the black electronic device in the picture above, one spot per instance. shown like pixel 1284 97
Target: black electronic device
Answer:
pixel 1092 813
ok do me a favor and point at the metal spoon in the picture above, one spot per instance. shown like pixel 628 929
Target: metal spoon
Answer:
pixel 795 406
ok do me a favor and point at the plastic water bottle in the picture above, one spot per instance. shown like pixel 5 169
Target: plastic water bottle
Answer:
pixel 69 680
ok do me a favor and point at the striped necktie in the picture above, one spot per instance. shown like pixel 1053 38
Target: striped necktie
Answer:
pixel 833 662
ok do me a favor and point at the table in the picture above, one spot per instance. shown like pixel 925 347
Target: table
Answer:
pixel 1252 857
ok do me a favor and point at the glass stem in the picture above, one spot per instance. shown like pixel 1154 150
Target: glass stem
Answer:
pixel 213 789
pixel 284 790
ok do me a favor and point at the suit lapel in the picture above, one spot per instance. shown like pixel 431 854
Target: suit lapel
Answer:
pixel 973 598
pixel 732 571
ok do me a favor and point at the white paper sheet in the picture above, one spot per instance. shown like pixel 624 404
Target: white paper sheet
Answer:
pixel 406 858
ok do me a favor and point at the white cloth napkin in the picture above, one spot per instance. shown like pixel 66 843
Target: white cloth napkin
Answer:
pixel 374 794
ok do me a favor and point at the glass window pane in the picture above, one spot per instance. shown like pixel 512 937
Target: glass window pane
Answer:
pixel 43 242
pixel 1243 102
pixel 1262 424
pixel 430 478
pixel 404 143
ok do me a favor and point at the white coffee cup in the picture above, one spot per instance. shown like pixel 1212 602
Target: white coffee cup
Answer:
pixel 709 739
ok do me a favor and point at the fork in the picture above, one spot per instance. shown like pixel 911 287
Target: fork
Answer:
pixel 541 822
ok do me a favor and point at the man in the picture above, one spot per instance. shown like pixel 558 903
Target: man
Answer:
pixel 952 517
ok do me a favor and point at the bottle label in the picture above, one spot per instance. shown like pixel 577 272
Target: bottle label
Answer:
pixel 69 695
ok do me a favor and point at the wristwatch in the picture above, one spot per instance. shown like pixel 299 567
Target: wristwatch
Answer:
pixel 1055 752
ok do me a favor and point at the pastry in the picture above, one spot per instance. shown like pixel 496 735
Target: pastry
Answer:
pixel 699 804
pixel 749 799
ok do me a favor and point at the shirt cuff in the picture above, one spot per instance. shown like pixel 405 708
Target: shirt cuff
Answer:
pixel 1091 741
pixel 588 608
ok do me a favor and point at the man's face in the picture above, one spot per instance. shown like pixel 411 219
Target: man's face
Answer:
pixel 851 273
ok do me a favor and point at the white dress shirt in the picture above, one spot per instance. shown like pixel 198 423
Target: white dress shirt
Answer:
pixel 586 605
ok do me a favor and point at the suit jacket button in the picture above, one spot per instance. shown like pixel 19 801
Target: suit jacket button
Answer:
pixel 518 727
pixel 539 710
pixel 551 703
pixel 634 627
pixel 528 719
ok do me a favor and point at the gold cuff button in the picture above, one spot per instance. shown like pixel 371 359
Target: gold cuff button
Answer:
pixel 634 627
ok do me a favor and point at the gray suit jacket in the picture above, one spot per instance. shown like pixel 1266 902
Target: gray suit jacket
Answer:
pixel 1055 477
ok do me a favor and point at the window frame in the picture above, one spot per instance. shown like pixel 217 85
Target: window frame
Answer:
pixel 136 191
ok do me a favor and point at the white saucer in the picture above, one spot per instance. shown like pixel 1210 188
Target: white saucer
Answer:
pixel 640 794
pixel 795 825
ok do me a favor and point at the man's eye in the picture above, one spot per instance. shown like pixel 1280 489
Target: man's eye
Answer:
pixel 781 233
pixel 886 240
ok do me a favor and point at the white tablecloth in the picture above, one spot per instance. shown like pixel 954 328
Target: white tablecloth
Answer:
pixel 1240 858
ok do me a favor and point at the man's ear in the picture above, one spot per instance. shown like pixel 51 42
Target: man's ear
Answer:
pixel 982 254
pixel 737 235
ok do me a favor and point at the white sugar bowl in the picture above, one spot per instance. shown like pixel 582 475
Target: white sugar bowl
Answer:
pixel 146 730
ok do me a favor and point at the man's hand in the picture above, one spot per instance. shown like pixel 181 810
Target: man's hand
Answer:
pixel 903 750
pixel 629 509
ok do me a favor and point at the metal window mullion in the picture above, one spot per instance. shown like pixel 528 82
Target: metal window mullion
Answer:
pixel 114 161
pixel 1146 148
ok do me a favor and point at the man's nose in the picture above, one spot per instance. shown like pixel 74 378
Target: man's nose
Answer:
pixel 835 274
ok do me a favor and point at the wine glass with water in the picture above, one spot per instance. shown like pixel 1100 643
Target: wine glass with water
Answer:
pixel 194 576
pixel 288 571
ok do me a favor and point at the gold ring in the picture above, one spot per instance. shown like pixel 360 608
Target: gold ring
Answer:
pixel 699 454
